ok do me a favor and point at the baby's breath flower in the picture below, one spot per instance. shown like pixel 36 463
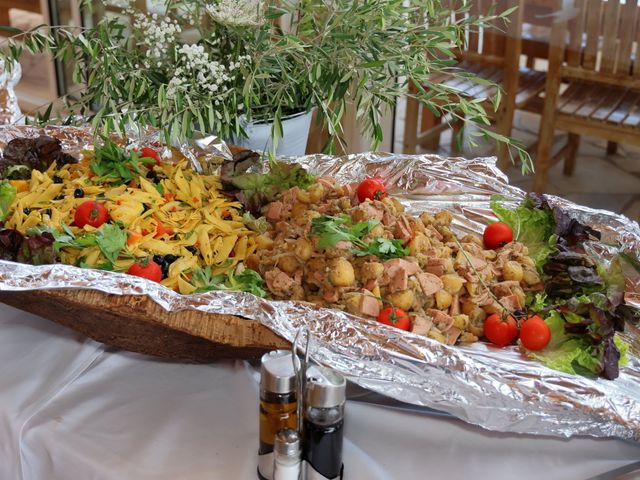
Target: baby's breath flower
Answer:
pixel 239 13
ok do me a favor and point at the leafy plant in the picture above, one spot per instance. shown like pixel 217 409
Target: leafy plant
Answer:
pixel 263 60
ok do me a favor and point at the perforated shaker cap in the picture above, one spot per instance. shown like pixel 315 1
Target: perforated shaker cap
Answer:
pixel 276 372
pixel 287 443
pixel 325 388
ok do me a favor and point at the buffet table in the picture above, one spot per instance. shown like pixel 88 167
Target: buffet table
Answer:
pixel 71 408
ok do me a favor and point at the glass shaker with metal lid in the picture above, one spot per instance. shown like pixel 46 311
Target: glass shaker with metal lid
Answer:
pixel 278 402
pixel 323 423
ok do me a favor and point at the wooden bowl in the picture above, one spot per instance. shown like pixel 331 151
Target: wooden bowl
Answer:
pixel 138 324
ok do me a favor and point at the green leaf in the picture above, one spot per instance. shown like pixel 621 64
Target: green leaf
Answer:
pixel 111 239
pixel 7 195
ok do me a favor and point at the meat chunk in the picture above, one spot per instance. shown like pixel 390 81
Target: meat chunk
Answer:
pixel 452 335
pixel 454 309
pixel 279 283
pixel 441 320
pixel 274 211
pixel 403 230
pixel 391 266
pixel 429 283
pixel 511 303
pixel 399 281
pixel 421 325
pixel 369 304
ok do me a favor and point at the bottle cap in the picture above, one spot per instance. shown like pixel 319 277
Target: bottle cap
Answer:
pixel 325 388
pixel 276 372
pixel 287 443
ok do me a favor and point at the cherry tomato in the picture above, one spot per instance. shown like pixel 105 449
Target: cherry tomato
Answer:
pixel 371 188
pixel 150 153
pixel 535 333
pixel 90 213
pixel 395 317
pixel 150 270
pixel 500 331
pixel 497 235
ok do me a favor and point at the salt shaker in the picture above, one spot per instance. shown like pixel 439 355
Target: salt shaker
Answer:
pixel 323 424
pixel 286 455
pixel 278 403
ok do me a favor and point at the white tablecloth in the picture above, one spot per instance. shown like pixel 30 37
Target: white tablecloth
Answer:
pixel 72 409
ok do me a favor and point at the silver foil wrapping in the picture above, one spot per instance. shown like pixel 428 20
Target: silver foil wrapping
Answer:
pixel 496 388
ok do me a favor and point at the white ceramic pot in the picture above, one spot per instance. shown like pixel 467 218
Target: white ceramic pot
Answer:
pixel 295 132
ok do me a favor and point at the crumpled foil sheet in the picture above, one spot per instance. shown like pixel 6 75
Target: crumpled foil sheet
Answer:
pixel 496 388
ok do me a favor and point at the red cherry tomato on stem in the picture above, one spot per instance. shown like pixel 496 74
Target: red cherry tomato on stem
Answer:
pixel 371 188
pixel 500 331
pixel 90 213
pixel 497 235
pixel 149 270
pixel 150 153
pixel 535 333
pixel 395 317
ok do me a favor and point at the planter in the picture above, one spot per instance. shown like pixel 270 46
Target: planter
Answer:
pixel 295 132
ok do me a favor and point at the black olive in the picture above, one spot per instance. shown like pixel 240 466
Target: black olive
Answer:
pixel 152 175
pixel 26 211
pixel 169 259
pixel 59 197
pixel 192 249
pixel 159 259
pixel 47 211
pixel 57 179
pixel 78 193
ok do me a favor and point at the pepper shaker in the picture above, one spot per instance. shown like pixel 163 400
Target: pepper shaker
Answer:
pixel 278 404
pixel 323 424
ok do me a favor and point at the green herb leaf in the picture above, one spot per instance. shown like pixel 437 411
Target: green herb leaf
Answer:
pixel 7 196
pixel 384 249
pixel 111 240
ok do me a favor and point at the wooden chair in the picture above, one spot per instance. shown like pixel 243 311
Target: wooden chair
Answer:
pixel 491 54
pixel 591 48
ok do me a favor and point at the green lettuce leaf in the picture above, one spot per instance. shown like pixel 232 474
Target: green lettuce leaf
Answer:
pixel 111 239
pixel 7 196
pixel 534 227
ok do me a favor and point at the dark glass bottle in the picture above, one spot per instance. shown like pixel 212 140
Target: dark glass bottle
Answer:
pixel 323 423
pixel 278 404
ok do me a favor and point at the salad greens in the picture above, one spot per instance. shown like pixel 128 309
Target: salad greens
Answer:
pixel 254 190
pixel 583 301
pixel 7 196
pixel 531 226
pixel 245 281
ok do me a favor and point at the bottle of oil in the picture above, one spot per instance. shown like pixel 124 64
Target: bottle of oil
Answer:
pixel 278 403
pixel 323 424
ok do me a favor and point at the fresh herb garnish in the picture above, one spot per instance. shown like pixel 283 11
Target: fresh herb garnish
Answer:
pixel 111 239
pixel 384 249
pixel 113 165
pixel 246 281
pixel 332 230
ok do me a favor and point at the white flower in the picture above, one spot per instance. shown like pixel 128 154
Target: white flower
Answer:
pixel 239 13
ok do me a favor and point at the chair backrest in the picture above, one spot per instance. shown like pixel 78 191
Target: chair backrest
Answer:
pixel 597 38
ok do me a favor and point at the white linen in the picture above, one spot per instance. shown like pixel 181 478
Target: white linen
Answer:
pixel 71 408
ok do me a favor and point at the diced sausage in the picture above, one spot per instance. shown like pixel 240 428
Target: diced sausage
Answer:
pixel 429 283
pixel 278 282
pixel 274 211
pixel 420 325
pixel 441 319
pixel 369 304
pixel 452 335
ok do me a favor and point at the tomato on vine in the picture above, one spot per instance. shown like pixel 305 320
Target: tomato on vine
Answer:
pixel 90 213
pixel 149 270
pixel 535 333
pixel 497 235
pixel 395 317
pixel 500 331
pixel 372 189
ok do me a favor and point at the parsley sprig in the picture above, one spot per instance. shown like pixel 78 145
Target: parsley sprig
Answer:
pixel 333 229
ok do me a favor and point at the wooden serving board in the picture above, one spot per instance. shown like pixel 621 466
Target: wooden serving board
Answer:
pixel 138 324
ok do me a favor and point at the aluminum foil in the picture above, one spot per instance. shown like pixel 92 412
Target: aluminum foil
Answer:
pixel 496 388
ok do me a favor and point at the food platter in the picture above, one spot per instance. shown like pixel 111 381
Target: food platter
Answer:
pixel 497 388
